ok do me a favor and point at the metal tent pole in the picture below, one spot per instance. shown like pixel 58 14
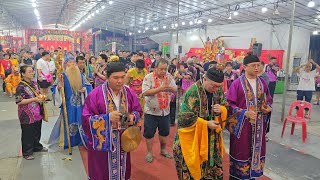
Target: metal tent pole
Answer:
pixel 286 82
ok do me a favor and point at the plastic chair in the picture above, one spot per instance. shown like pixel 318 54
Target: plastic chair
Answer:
pixel 298 118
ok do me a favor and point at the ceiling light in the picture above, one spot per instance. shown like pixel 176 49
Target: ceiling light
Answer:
pixel 276 12
pixel 86 19
pixel 264 9
pixel 141 19
pixel 144 31
pixel 200 21
pixel 36 12
pixel 191 23
pixel 130 33
pixel 97 11
pixel 235 13
pixel 164 27
pixel 102 7
pixel 176 25
pixel 311 4
pixel 154 28
pixel 34 4
pixel 209 20
pixel 315 32
pixel 92 14
pixel 146 28
pixel 110 2
pixel 139 31
pixel 183 23
pixel 89 16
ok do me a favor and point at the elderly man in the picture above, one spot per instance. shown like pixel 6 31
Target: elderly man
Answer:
pixel 76 88
pixel 103 110
pixel 157 88
pixel 198 147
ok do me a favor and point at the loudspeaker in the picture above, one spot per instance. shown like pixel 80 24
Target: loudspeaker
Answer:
pixel 256 49
pixel 180 49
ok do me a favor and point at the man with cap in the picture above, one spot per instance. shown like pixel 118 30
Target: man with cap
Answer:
pixel 198 147
pixel 103 123
pixel 250 97
pixel 75 88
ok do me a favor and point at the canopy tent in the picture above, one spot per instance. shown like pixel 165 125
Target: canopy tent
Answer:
pixel 150 16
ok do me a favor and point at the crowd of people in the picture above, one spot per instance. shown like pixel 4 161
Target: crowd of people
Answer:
pixel 102 96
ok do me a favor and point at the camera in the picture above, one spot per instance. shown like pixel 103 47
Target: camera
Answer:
pixel 124 120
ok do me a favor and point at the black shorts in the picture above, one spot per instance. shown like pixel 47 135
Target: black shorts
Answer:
pixel 44 84
pixel 151 123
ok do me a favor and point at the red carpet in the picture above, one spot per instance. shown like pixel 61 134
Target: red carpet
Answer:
pixel 161 168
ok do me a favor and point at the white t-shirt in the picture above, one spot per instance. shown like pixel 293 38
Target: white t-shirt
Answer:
pixel 253 84
pixel 44 66
pixel 307 80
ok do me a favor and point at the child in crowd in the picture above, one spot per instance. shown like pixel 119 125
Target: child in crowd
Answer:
pixel 12 82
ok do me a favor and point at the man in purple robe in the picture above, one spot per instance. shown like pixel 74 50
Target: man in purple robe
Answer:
pixel 250 95
pixel 101 115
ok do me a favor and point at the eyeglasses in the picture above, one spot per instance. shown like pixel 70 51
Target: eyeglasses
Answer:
pixel 254 65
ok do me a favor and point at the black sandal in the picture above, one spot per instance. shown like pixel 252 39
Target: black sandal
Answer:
pixel 29 157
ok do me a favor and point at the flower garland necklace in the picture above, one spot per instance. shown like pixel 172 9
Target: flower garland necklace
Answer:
pixel 163 97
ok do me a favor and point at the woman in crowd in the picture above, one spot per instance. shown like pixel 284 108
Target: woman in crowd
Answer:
pixel 100 70
pixel 229 75
pixel 29 103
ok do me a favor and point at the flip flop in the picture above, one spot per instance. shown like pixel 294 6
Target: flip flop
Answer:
pixel 166 155
pixel 149 159
pixel 28 157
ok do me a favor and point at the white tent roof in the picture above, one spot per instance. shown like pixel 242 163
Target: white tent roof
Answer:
pixel 137 15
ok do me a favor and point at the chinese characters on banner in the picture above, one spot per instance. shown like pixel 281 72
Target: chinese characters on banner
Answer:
pixel 52 39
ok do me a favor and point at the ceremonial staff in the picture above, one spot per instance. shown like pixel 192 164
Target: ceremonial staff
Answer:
pixel 59 67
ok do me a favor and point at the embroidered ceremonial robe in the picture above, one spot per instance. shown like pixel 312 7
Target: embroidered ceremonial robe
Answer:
pixel 247 141
pixel 74 104
pixel 197 104
pixel 106 160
